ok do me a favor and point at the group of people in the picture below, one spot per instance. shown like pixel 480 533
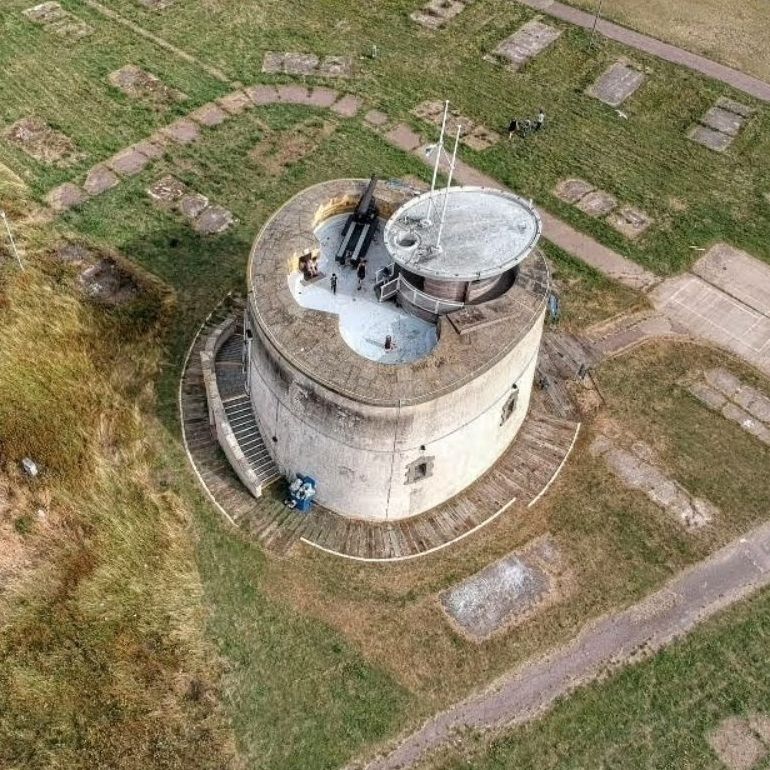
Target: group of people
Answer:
pixel 527 126
pixel 360 274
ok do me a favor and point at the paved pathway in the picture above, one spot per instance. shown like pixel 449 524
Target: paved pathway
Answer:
pixel 727 576
pixel 732 77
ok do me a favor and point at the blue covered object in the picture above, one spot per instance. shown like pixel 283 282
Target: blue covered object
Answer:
pixel 301 493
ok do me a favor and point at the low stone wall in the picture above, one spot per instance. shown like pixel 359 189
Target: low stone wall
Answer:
pixel 217 417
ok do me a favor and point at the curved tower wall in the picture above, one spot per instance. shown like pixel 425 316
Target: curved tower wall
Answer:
pixel 389 462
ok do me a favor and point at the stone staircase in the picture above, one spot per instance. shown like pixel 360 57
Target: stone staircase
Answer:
pixel 241 417
pixel 265 519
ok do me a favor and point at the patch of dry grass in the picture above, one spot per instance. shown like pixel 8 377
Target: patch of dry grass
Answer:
pixel 104 660
pixel 737 34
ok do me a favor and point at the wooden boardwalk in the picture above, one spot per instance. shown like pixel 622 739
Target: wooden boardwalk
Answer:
pixel 520 476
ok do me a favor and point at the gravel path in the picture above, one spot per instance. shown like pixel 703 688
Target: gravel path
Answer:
pixel 732 77
pixel 694 595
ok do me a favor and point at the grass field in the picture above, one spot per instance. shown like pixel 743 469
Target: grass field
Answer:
pixel 656 714
pixel 131 598
pixel 735 34
pixel 696 196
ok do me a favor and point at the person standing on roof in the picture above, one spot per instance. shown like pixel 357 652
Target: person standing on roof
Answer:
pixel 361 273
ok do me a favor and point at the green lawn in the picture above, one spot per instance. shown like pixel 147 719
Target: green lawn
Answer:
pixel 656 714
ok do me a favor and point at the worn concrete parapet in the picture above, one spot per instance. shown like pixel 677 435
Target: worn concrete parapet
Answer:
pixel 218 419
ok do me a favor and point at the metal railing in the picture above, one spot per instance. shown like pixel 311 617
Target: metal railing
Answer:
pixel 418 298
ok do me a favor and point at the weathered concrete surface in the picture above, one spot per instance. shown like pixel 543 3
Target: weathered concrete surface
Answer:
pixel 708 137
pixel 636 470
pixel 503 592
pixel 616 84
pixel 709 313
pixel 738 274
pixel 630 221
pixel 621 334
pixel 527 42
pixel 732 573
pixel 736 744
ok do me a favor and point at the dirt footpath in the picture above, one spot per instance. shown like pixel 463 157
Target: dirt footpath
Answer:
pixel 730 574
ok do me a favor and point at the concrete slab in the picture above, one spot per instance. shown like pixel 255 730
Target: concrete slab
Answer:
pixel 526 43
pixel 293 94
pixel 637 472
pixel 708 312
pixel 480 138
pixel 724 121
pixel 167 190
pixel 66 196
pixel 37 139
pixel 499 595
pixel 153 150
pixel 708 137
pixel 630 221
pixel 99 180
pixel 336 67
pixel 572 190
pixel 262 94
pixel 58 21
pixel 738 274
pixel 735 107
pixel 136 83
pixel 183 131
pixel 213 220
pixel 128 162
pixel 348 106
pixel 617 84
pixel 376 118
pixel 597 203
pixel 322 97
pixel 436 13
pixel 209 115
pixel 235 103
pixel 272 62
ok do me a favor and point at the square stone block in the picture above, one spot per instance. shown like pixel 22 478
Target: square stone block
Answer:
pixel 192 205
pixel 66 196
pixel 45 13
pixel 336 67
pixel 235 103
pixel 262 94
pixel 735 107
pixel 209 115
pixel 167 190
pixel 99 180
pixel 376 118
pixel 527 42
pixel 572 190
pixel 272 62
pixel 183 131
pixel 300 63
pixel 348 106
pixel 128 162
pixel 480 138
pixel 629 221
pixel 708 137
pixel 597 203
pixel 616 84
pixel 322 97
pixel 37 139
pixel 213 220
pixel 723 120
pixel 136 83
pixel 403 137
pixel 293 94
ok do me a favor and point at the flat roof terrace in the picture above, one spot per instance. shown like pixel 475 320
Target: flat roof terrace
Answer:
pixel 486 232
pixel 470 340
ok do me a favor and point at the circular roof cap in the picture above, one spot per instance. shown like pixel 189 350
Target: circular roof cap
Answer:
pixel 486 232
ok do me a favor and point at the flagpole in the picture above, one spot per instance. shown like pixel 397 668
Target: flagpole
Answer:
pixel 10 238
pixel 446 192
pixel 439 150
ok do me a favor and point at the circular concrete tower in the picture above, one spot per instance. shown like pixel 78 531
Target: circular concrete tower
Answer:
pixel 397 384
